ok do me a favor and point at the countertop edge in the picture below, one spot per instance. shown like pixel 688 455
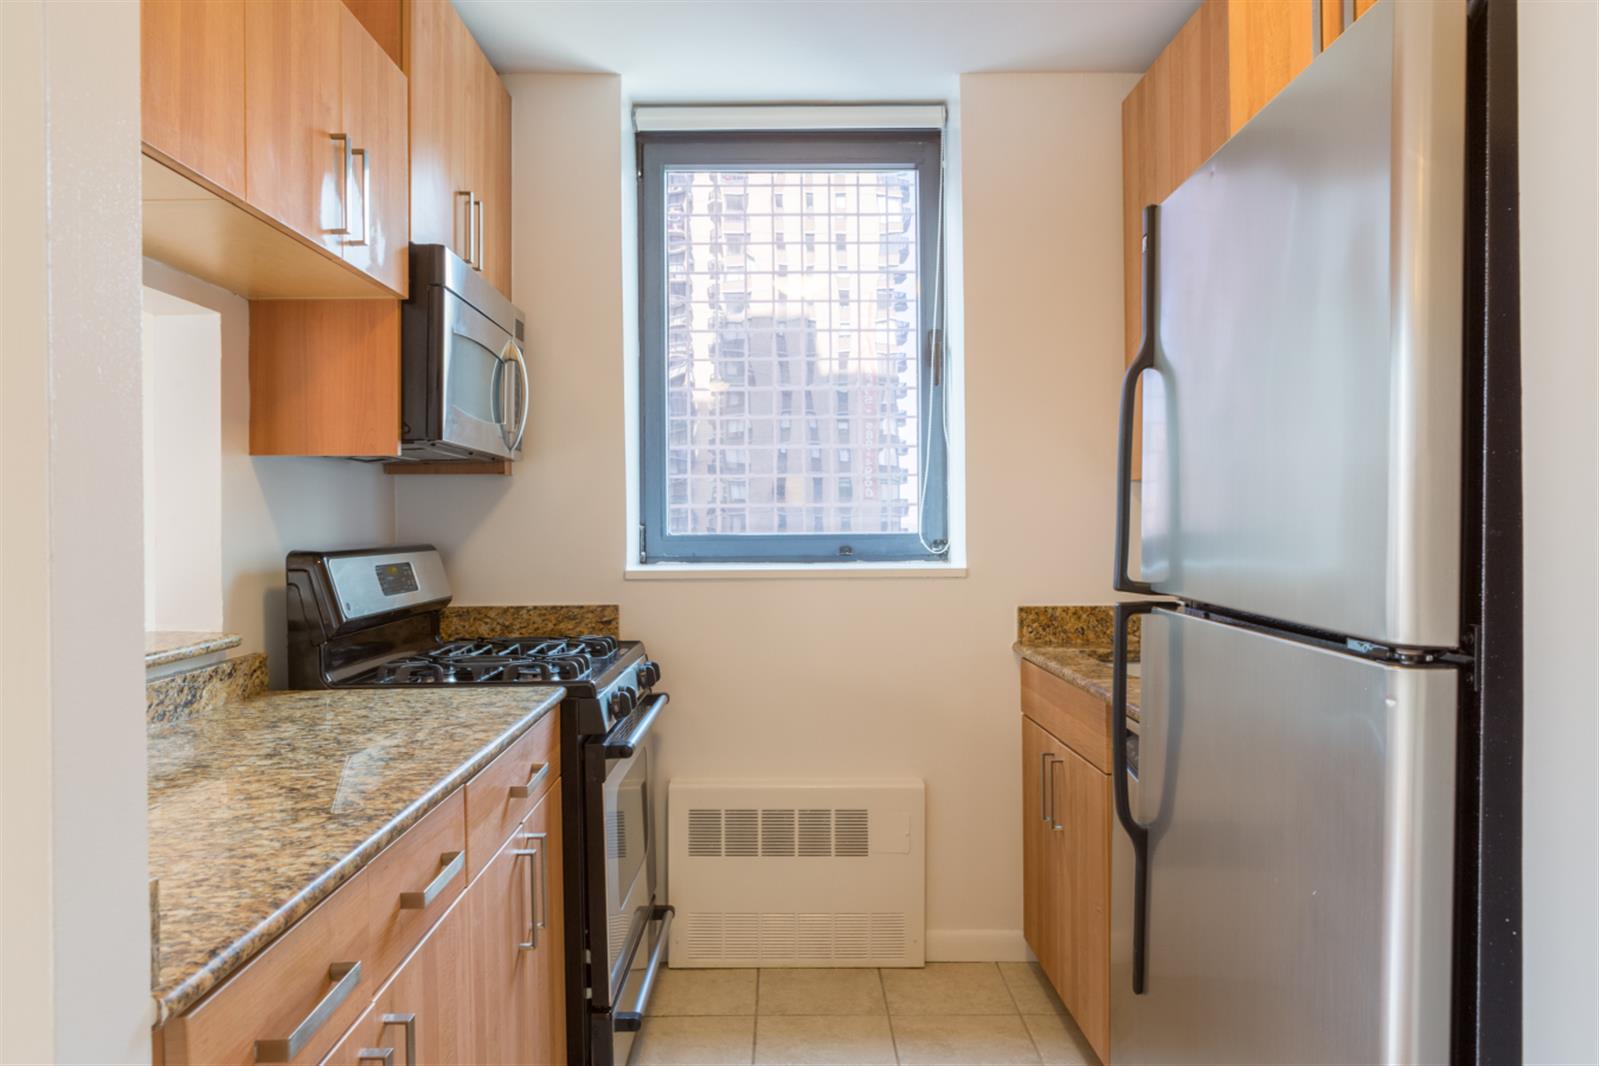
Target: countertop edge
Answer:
pixel 1035 654
pixel 203 644
pixel 196 986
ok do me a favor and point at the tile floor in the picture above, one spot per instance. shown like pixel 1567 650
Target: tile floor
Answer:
pixel 948 1013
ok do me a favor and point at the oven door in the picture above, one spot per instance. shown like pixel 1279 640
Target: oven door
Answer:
pixel 484 382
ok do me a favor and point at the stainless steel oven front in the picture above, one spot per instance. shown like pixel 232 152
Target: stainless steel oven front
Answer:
pixel 628 944
pixel 465 383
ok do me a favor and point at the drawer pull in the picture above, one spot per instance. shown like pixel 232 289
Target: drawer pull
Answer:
pixel 384 1055
pixel 533 783
pixel 345 976
pixel 451 864
pixel 409 1021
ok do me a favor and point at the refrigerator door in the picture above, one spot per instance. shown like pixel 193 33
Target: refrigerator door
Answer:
pixel 1302 423
pixel 1300 812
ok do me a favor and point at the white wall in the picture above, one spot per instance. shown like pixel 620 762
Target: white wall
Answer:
pixel 851 675
pixel 182 353
pixel 1559 116
pixel 74 927
pixel 273 504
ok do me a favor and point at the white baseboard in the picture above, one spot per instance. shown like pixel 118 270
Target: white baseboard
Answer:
pixel 976 945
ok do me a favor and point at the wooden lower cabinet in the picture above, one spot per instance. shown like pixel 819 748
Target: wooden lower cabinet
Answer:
pixel 513 914
pixel 425 1007
pixel 1066 812
pixel 485 984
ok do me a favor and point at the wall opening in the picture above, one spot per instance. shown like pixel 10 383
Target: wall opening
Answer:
pixel 182 350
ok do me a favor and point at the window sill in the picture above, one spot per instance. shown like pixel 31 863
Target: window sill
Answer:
pixel 786 571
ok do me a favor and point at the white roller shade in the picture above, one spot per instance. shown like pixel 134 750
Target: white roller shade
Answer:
pixel 656 118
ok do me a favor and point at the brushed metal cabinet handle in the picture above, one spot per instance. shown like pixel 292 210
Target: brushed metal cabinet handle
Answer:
pixel 533 782
pixel 1043 785
pixel 345 976
pixel 1054 822
pixel 384 1055
pixel 471 234
pixel 451 864
pixel 366 196
pixel 344 192
pixel 409 1021
pixel 535 906
pixel 477 234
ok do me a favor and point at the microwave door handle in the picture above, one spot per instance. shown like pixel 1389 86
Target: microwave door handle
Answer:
pixel 526 396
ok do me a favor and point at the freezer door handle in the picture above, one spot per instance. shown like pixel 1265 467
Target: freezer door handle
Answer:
pixel 1122 580
pixel 1135 831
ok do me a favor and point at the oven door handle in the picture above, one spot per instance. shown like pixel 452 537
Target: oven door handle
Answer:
pixel 620 745
pixel 630 1021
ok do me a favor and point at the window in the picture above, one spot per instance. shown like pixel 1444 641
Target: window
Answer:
pixel 750 323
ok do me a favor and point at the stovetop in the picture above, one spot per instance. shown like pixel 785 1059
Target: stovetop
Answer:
pixel 489 661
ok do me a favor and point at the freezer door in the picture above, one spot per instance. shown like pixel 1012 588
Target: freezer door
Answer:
pixel 1299 805
pixel 1302 423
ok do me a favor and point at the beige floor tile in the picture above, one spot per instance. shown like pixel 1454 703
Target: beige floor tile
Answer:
pixel 948 988
pixel 703 992
pixel 1059 1041
pixel 702 1041
pixel 831 1040
pixel 1030 988
pixel 993 1040
pixel 821 991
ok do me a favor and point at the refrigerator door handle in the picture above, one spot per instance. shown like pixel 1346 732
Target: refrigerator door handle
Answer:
pixel 1135 831
pixel 1122 580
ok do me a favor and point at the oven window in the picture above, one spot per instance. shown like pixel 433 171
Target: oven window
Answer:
pixel 626 821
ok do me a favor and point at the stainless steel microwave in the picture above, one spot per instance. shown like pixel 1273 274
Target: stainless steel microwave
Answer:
pixel 465 387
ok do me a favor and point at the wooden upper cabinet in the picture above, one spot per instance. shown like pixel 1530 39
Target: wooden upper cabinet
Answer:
pixel 296 144
pixel 494 256
pixel 374 115
pixel 460 143
pixel 191 79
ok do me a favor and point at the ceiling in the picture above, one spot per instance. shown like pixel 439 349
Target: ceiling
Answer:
pixel 817 50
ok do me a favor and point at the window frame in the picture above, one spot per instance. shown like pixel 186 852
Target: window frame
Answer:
pixel 920 150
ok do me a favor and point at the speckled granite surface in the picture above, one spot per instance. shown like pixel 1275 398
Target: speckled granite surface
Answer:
pixel 1071 626
pixel 180 696
pixel 603 620
pixel 261 807
pixel 162 646
pixel 1086 667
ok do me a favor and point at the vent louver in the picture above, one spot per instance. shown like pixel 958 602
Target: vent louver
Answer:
pixel 816 832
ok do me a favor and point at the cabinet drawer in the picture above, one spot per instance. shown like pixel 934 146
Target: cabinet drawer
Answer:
pixel 414 881
pixel 504 791
pixel 1079 720
pixel 300 993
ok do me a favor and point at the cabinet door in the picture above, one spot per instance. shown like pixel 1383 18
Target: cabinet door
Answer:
pixel 494 255
pixel 444 110
pixel 296 163
pixel 432 989
pixel 1085 810
pixel 515 930
pixel 191 79
pixel 374 105
pixel 1044 922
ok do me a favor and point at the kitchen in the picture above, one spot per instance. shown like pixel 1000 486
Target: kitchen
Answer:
pixel 780 674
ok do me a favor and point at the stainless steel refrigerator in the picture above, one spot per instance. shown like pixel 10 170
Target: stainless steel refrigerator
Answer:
pixel 1284 867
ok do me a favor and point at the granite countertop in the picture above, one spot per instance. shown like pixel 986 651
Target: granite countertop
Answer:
pixel 162 646
pixel 261 807
pixel 1087 666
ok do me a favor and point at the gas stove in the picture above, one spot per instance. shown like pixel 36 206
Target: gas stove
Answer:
pixel 371 618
